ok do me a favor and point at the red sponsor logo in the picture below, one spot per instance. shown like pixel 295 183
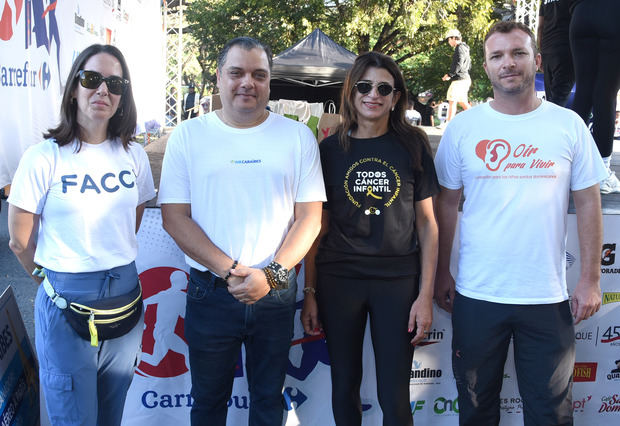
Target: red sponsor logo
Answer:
pixel 579 405
pixel 499 155
pixel 164 348
pixel 9 18
pixel 610 404
pixel 584 372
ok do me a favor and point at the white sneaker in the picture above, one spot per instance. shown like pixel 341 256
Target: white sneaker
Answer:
pixel 611 184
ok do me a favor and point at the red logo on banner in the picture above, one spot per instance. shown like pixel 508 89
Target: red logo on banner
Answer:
pixel 163 353
pixel 6 20
pixel 584 372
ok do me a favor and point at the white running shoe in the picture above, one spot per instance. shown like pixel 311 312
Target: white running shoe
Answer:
pixel 611 184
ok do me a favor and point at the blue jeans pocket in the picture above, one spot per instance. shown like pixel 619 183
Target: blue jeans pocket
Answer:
pixel 60 398
pixel 196 289
pixel 286 296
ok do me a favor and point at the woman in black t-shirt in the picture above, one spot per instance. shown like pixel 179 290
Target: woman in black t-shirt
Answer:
pixel 377 251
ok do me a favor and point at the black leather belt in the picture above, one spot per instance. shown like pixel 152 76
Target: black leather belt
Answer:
pixel 208 276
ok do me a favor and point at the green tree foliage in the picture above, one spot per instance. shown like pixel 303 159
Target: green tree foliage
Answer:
pixel 278 23
pixel 411 31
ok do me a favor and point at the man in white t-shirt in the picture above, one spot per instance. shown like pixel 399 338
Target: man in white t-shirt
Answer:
pixel 516 159
pixel 241 194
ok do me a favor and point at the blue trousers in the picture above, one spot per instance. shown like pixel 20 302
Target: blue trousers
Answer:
pixel 83 384
pixel 544 353
pixel 216 324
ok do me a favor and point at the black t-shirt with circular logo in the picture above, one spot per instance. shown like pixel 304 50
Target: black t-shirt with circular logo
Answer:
pixel 371 191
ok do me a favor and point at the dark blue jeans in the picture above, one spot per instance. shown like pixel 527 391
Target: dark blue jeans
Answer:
pixel 216 324
pixel 544 355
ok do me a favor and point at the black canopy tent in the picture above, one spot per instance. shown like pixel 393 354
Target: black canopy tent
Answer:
pixel 313 69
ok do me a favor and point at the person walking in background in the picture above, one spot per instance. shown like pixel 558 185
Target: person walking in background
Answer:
pixel 595 43
pixel 553 23
pixel 190 103
pixel 84 189
pixel 378 247
pixel 511 282
pixel 241 194
pixel 458 74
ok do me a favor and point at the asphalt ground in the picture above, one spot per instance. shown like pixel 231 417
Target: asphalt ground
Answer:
pixel 12 273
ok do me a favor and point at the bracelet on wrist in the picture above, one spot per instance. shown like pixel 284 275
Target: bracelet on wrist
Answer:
pixel 270 278
pixel 234 265
pixel 309 290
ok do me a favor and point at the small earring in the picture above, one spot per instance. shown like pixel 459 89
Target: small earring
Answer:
pixel 393 108
pixel 120 114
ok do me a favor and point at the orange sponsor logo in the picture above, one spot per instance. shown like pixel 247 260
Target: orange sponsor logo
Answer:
pixel 584 372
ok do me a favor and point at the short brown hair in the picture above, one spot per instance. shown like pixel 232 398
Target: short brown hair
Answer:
pixel 505 27
pixel 247 44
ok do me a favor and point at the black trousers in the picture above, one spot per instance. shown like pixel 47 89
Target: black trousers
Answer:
pixel 559 76
pixel 543 339
pixel 344 306
pixel 595 43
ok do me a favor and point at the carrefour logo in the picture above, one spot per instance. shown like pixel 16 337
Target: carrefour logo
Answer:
pixel 26 76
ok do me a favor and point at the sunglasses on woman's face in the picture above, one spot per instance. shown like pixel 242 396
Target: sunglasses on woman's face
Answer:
pixel 93 79
pixel 365 87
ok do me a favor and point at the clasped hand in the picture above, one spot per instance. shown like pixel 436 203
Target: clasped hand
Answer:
pixel 247 285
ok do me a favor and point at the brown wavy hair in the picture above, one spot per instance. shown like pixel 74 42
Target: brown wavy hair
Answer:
pixel 123 122
pixel 413 139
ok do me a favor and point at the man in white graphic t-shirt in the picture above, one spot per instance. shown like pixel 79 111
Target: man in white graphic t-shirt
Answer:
pixel 516 159
pixel 241 194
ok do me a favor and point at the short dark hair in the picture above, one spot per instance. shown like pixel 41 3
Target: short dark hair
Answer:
pixel 123 122
pixel 505 27
pixel 412 138
pixel 246 43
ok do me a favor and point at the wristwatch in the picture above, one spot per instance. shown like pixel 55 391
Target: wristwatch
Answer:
pixel 279 274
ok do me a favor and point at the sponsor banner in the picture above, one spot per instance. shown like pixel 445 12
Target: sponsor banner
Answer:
pixel 584 372
pixel 19 381
pixel 160 392
pixel 39 40
pixel 610 404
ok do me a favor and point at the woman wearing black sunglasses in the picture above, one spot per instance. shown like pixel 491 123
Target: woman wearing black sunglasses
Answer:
pixel 377 250
pixel 83 191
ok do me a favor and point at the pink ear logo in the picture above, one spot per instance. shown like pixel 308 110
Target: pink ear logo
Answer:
pixel 493 153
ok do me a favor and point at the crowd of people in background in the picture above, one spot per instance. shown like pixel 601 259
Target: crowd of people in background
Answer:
pixel 247 194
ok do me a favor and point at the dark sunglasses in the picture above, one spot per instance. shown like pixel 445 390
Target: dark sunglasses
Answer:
pixel 93 79
pixel 384 89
